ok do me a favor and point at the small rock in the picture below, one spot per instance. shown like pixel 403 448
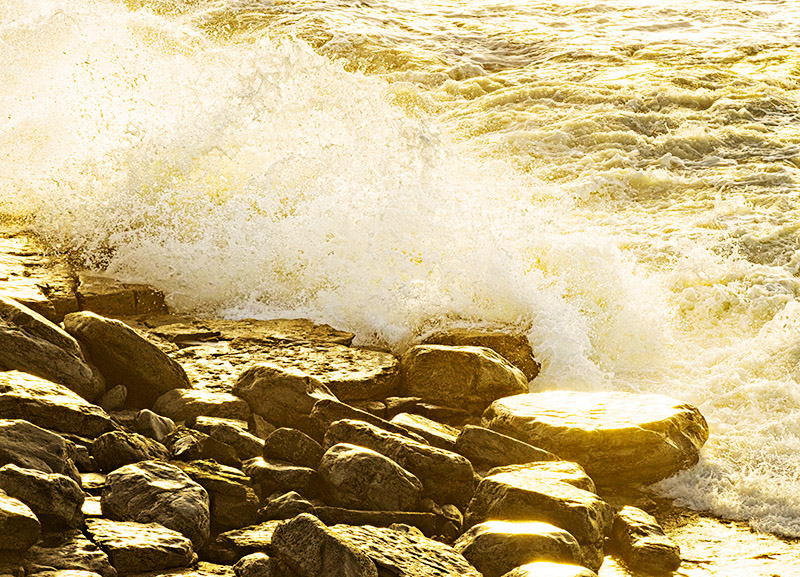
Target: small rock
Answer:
pixel 446 476
pixel 269 476
pixel 18 524
pixel 117 448
pixel 437 434
pixel 190 445
pixel 231 546
pixel 469 378
pixel 516 349
pixel 93 483
pixel 114 399
pixel 126 358
pixel 154 426
pixel 256 565
pixel 487 449
pixel 152 491
pixel 55 499
pixel 311 549
pixel 285 506
pixel 550 569
pixel 232 432
pixel 328 411
pixel 284 397
pixel 642 544
pixel 359 478
pixel 293 446
pixel 497 547
pixel 31 343
pixel 188 404
pixel 139 547
pixel 619 438
pixel 67 551
pixel 50 405
pixel 32 447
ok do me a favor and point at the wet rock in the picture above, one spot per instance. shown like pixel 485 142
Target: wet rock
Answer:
pixel 430 524
pixel 402 552
pixel 32 447
pixel 284 397
pixel 55 499
pixel 550 569
pixel 638 538
pixel 190 445
pixel 437 434
pixel 497 547
pixel 138 547
pixel 117 448
pixel 188 404
pixel 114 399
pixel 293 446
pixel 67 551
pixel 328 411
pixel 516 349
pixel 106 296
pixel 278 331
pixel 487 449
pixel 563 471
pixel 151 491
pixel 360 478
pixel 529 494
pixel 233 501
pixel 311 549
pixel 50 405
pixel 232 432
pixel 18 525
pixel 619 438
pixel 285 506
pixel 468 378
pixel 269 476
pixel 446 476
pixel 126 358
pixel 231 546
pixel 31 343
pixel 154 426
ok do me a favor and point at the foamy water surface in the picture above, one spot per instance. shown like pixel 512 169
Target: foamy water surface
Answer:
pixel 619 180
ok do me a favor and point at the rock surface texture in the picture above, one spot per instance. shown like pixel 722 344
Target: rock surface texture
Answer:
pixel 619 438
pixel 32 447
pixel 640 541
pixel 188 404
pixel 18 525
pixel 468 378
pixel 68 551
pixel 55 499
pixel 550 569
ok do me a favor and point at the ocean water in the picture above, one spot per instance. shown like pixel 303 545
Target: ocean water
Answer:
pixel 619 180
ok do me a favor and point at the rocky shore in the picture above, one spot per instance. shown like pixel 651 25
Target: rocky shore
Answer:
pixel 135 442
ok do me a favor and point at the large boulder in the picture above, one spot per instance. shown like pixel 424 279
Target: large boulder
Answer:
pixel 447 477
pixel 468 378
pixel 638 538
pixel 55 499
pixel 284 397
pixel 125 358
pixel 514 348
pixel 117 448
pixel 619 438
pixel 31 343
pixel 152 491
pixel 32 447
pixel 359 478
pixel 67 551
pixel 139 547
pixel 311 549
pixel 18 524
pixel 497 547
pixel 50 405
pixel 402 551
pixel 532 494
pixel 188 404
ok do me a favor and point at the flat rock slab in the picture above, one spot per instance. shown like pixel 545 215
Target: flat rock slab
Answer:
pixel 188 404
pixel 152 491
pixel 468 378
pixel 18 525
pixel 437 434
pixel 31 343
pixel 125 357
pixel 497 547
pixel 231 546
pixel 407 553
pixel 619 438
pixel 274 331
pixel 26 445
pixel 50 405
pixel 563 471
pixel 139 547
pixel 270 475
pixel 68 551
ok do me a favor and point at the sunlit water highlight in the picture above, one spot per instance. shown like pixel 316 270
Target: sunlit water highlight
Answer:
pixel 617 179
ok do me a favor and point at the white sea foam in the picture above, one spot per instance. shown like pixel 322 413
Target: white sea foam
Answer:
pixel 250 176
